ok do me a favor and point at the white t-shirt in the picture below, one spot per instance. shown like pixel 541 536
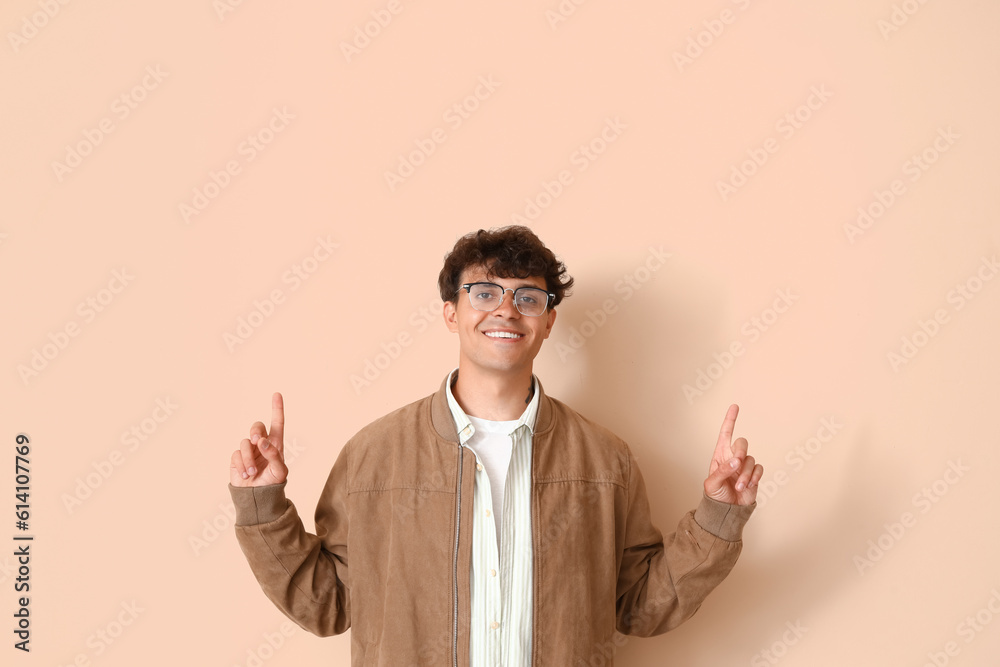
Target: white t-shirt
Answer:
pixel 493 445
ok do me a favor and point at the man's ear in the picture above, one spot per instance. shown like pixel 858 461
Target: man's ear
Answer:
pixel 552 320
pixel 450 315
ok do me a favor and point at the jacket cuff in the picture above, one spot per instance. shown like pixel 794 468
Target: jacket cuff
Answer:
pixel 722 519
pixel 258 504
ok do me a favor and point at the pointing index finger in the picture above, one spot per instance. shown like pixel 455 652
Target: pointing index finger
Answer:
pixel 726 433
pixel 276 434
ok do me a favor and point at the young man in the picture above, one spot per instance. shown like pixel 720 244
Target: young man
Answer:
pixel 487 523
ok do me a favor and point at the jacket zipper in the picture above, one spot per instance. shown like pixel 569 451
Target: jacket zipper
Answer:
pixel 458 523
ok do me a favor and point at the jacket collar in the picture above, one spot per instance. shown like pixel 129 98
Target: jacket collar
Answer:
pixel 444 422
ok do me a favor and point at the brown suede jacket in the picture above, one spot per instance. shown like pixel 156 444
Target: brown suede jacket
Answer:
pixel 391 556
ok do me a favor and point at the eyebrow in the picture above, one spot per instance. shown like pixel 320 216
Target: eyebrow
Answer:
pixel 515 287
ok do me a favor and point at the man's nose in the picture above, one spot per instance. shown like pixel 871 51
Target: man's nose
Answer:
pixel 507 305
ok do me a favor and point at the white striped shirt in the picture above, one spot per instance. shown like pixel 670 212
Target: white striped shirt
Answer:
pixel 501 582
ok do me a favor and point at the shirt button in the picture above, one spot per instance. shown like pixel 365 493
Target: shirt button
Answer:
pixel 494 625
pixel 479 466
pixel 487 512
pixel 493 573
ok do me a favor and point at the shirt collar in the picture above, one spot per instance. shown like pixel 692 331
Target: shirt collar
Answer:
pixel 464 425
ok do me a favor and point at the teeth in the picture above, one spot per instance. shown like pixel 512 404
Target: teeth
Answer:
pixel 503 334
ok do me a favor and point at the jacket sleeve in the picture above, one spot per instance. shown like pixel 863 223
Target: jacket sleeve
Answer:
pixel 306 576
pixel 662 583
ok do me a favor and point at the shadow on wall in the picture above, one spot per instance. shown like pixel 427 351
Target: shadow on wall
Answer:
pixel 629 366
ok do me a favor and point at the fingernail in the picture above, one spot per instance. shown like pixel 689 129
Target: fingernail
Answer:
pixel 252 470
pixel 263 443
pixel 733 463
pixel 739 486
pixel 254 438
pixel 244 475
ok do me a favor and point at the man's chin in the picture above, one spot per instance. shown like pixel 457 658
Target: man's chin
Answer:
pixel 500 367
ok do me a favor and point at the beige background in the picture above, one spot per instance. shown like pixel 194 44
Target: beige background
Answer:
pixel 155 534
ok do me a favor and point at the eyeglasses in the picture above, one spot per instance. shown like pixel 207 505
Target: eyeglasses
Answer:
pixel 529 301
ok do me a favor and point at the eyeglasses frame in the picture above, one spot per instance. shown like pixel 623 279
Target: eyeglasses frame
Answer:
pixel 468 288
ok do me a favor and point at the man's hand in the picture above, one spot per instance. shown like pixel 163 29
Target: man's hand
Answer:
pixel 732 475
pixel 260 460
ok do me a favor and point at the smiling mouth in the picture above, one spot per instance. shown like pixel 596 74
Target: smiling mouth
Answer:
pixel 503 335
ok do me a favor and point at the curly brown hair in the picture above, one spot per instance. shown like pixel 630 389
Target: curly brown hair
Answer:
pixel 508 252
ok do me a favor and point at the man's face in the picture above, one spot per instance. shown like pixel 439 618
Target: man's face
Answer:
pixel 477 348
